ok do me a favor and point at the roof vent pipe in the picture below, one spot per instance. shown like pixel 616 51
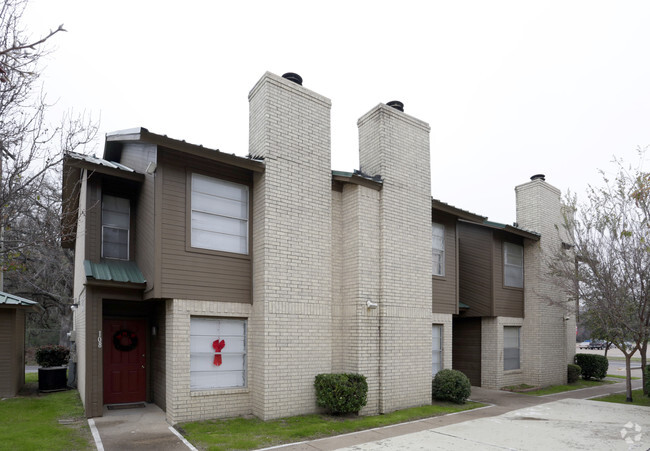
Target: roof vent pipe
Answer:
pixel 293 77
pixel 541 177
pixel 396 104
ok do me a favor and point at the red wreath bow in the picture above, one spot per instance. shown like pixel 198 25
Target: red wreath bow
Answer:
pixel 218 345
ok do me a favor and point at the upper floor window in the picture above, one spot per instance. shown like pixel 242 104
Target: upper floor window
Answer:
pixel 438 232
pixel 513 265
pixel 116 219
pixel 219 215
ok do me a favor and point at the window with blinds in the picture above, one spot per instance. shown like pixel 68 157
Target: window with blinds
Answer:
pixel 219 215
pixel 116 218
pixel 438 233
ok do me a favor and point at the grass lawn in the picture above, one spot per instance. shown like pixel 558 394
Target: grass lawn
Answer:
pixel 558 388
pixel 251 433
pixel 622 359
pixel 619 398
pixel 31 420
pixel 618 376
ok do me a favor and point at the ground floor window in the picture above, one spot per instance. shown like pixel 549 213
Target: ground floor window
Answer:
pixel 217 353
pixel 437 349
pixel 511 347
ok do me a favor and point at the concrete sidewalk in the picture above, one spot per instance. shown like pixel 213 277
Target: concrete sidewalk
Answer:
pixel 143 428
pixel 146 428
pixel 500 403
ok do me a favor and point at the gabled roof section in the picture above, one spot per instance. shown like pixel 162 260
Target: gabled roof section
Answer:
pixel 141 134
pixel 463 214
pixel 508 228
pixel 358 178
pixel 101 166
pixel 114 271
pixel 10 300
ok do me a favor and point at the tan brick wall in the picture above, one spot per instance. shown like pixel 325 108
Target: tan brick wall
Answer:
pixel 396 146
pixel 182 403
pixel 492 373
pixel 356 327
pixel 79 290
pixel 548 339
pixel 290 328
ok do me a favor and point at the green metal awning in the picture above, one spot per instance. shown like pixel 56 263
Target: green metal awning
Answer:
pixel 462 305
pixel 11 300
pixel 114 271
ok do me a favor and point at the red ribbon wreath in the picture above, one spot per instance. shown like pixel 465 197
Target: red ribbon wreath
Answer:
pixel 218 345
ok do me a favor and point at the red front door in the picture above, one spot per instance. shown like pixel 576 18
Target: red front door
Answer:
pixel 125 360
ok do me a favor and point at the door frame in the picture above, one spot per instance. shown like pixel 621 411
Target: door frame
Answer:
pixel 108 341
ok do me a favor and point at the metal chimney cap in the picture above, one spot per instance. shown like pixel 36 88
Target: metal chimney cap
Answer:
pixel 293 77
pixel 541 177
pixel 396 104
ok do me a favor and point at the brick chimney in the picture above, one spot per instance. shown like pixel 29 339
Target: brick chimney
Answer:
pixel 395 146
pixel 291 319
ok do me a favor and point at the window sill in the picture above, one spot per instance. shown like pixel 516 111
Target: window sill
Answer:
pixel 438 277
pixel 219 391
pixel 200 250
pixel 517 371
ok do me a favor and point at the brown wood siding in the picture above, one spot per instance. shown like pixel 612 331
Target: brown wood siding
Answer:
pixel 445 288
pixel 193 274
pixel 8 386
pixel 138 156
pixel 94 308
pixel 93 218
pixel 508 301
pixel 94 401
pixel 158 356
pixel 475 268
pixel 466 348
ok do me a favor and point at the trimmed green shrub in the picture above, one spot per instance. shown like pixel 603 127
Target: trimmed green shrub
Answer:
pixel 52 355
pixel 647 380
pixel 341 393
pixel 451 385
pixel 592 366
pixel 573 373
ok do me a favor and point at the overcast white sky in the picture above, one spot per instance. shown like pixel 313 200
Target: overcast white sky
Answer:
pixel 510 88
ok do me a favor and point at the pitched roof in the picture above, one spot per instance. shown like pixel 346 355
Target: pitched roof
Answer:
pixel 7 299
pixel 464 214
pixel 114 271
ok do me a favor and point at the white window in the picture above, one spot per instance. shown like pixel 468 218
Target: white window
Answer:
pixel 438 232
pixel 115 227
pixel 219 215
pixel 217 353
pixel 513 265
pixel 511 348
pixel 437 349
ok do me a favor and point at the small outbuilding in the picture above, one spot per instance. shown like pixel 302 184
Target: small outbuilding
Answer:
pixel 12 342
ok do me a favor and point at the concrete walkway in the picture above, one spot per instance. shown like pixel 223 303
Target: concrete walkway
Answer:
pixel 143 428
pixel 418 434
pixel 503 424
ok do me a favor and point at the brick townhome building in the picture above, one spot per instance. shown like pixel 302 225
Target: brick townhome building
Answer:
pixel 215 285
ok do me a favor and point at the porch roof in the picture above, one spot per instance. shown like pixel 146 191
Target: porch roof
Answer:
pixel 11 300
pixel 114 271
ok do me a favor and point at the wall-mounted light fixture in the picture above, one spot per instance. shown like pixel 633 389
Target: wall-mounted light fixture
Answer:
pixel 74 307
pixel 151 167
pixel 154 331
pixel 371 305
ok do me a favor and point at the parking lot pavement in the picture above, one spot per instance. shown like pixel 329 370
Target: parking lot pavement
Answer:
pixel 568 424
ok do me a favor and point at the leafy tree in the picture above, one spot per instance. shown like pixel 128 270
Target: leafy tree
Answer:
pixel 609 263
pixel 31 152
